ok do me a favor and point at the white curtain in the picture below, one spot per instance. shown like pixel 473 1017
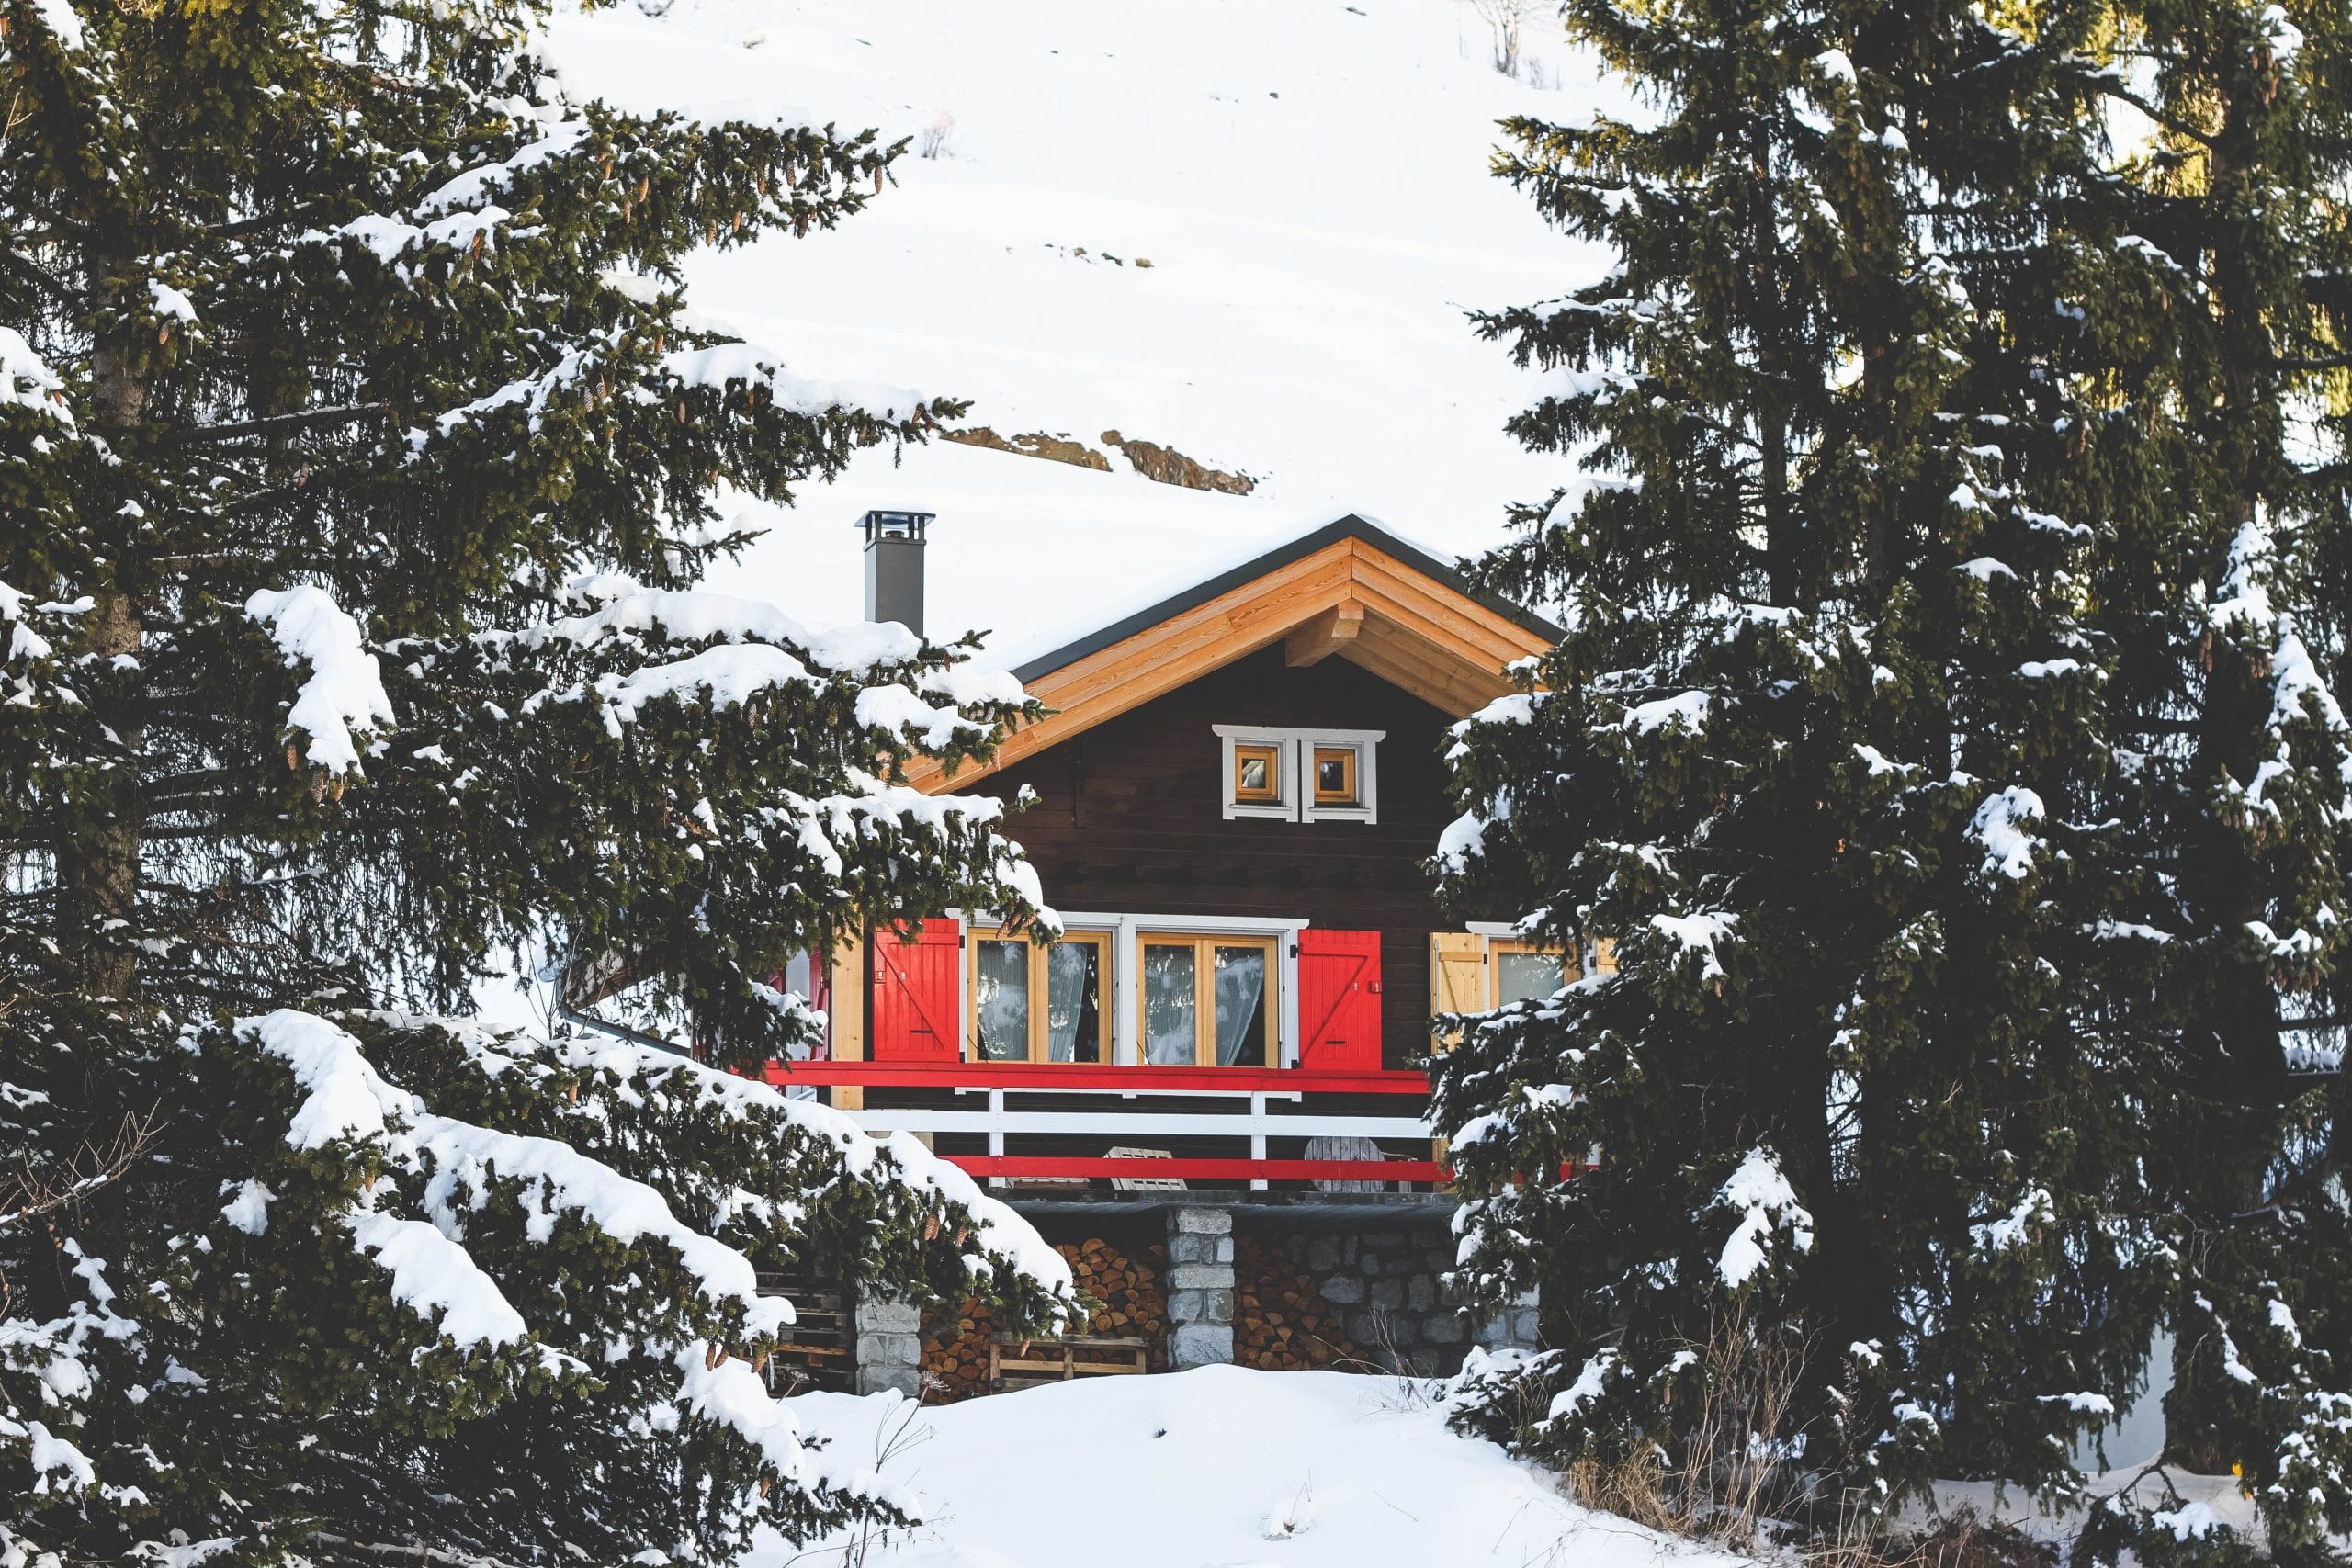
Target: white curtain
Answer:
pixel 1168 1004
pixel 1240 986
pixel 1073 1002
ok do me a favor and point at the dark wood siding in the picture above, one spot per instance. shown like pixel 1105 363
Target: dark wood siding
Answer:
pixel 1129 818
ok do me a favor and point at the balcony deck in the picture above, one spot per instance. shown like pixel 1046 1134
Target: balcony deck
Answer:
pixel 1118 1105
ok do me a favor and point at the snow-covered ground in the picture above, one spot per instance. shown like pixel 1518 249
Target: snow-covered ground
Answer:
pixel 1216 1468
pixel 1308 179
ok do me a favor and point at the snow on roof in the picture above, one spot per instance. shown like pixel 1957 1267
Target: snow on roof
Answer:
pixel 1208 579
pixel 1037 553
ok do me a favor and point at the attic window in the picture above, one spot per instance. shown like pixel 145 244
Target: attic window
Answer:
pixel 1299 775
pixel 1257 773
pixel 1335 776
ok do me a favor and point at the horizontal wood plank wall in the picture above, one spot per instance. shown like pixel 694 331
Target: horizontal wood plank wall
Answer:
pixel 1129 818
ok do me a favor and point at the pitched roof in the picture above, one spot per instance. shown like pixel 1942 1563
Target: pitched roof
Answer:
pixel 1351 527
pixel 1349 588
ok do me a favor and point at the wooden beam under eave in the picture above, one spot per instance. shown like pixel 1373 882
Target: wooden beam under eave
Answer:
pixel 1161 658
pixel 1324 635
pixel 1449 692
pixel 1442 679
pixel 1416 633
pixel 1386 585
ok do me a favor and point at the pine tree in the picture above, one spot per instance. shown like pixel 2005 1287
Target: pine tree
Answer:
pixel 2231 441
pixel 1829 756
pixel 358 456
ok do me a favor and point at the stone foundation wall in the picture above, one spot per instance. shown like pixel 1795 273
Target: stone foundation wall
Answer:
pixel 1385 1286
pixel 1200 1287
pixel 889 1346
pixel 1354 1294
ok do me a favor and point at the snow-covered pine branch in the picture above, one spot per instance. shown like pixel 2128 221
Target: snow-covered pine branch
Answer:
pixel 361 455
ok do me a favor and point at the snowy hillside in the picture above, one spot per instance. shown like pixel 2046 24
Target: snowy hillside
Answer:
pixel 1217 1468
pixel 1306 180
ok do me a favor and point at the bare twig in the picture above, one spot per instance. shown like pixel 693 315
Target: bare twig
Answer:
pixel 290 424
pixel 27 1191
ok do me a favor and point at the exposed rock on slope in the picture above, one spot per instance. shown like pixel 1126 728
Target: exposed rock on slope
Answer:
pixel 1170 466
pixel 1162 464
pixel 1053 449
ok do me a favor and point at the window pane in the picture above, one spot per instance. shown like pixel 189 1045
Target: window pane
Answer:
pixel 1001 975
pixel 1169 1006
pixel 1335 782
pixel 1526 976
pixel 1074 1002
pixel 1257 774
pixel 1241 1007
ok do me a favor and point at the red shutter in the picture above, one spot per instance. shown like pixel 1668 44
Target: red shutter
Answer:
pixel 1338 1000
pixel 820 997
pixel 918 1006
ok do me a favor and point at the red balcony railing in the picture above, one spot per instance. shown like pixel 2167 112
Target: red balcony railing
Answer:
pixel 1086 1076
pixel 1123 1124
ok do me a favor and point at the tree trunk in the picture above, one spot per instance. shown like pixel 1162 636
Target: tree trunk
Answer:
pixel 2223 879
pixel 97 861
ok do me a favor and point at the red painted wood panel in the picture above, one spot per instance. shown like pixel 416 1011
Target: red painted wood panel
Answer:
pixel 918 1003
pixel 1083 1077
pixel 1338 1000
pixel 820 997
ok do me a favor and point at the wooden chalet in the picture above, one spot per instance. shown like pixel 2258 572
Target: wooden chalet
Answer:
pixel 1237 792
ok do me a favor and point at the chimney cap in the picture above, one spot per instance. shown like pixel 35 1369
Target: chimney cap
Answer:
pixel 894 525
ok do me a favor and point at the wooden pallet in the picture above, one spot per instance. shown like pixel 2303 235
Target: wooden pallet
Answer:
pixel 819 1348
pixel 1028 1363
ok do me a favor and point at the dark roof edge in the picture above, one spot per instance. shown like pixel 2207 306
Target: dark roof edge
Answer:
pixel 1349 527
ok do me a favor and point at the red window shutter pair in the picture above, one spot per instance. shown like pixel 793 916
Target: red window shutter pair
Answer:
pixel 918 1001
pixel 1338 1000
pixel 919 1004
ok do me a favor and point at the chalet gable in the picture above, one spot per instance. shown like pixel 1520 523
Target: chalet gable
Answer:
pixel 1349 590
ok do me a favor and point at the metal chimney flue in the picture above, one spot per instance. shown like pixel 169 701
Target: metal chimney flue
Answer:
pixel 894 544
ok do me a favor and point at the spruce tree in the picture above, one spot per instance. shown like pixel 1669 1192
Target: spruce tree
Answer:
pixel 358 456
pixel 2225 434
pixel 1830 757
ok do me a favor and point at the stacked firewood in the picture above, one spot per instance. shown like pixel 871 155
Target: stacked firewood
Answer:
pixel 955 1356
pixel 1131 1301
pixel 1135 1305
pixel 1280 1324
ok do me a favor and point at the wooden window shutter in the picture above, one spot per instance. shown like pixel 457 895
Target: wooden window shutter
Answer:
pixel 1458 977
pixel 1338 1000
pixel 918 1007
pixel 820 999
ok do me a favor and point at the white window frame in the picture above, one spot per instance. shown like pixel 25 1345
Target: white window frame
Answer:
pixel 1126 957
pixel 1367 745
pixel 1284 809
pixel 1105 935
pixel 1296 747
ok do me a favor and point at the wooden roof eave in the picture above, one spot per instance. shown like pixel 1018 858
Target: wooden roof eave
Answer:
pixel 1369 603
